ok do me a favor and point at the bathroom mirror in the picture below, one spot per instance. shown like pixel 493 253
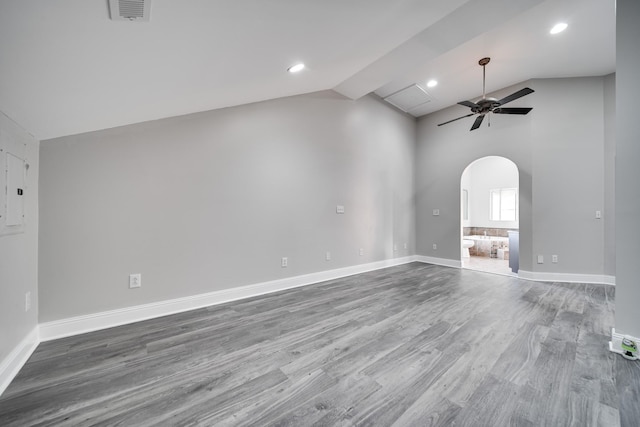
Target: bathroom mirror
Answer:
pixel 465 205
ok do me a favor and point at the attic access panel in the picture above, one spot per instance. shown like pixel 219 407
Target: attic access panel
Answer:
pixel 409 98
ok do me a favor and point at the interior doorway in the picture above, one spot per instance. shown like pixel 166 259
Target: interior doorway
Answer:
pixel 489 217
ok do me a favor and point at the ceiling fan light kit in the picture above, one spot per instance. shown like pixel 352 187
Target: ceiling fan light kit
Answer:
pixel 485 106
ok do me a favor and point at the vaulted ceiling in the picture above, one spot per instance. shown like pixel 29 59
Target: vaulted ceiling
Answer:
pixel 67 68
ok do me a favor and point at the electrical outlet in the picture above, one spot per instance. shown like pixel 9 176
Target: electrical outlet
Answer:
pixel 135 280
pixel 395 247
pixel 540 259
pixel 598 214
pixel 340 209
pixel 285 262
pixel 361 251
pixel 436 212
pixel 435 247
pixel 328 256
pixel 554 259
pixel 27 301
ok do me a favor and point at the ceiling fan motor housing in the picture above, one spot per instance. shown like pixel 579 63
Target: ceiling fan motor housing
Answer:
pixel 485 106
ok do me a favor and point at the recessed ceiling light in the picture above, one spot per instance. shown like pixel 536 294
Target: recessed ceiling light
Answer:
pixel 432 83
pixel 296 68
pixel 558 28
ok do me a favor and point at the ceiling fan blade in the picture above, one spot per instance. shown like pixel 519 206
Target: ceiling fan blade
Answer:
pixel 477 123
pixel 512 110
pixel 516 95
pixel 468 115
pixel 468 104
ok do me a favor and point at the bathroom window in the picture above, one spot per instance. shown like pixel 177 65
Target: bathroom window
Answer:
pixel 503 203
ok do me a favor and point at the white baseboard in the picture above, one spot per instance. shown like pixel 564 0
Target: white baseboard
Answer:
pixel 615 345
pixel 107 319
pixel 567 277
pixel 439 261
pixel 530 275
pixel 12 364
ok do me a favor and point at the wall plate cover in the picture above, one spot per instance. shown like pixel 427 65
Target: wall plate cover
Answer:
pixel 135 280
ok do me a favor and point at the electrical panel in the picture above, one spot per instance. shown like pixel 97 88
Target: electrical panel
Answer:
pixel 13 174
pixel 14 190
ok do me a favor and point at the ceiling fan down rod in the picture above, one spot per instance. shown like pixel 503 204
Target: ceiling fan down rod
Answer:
pixel 483 62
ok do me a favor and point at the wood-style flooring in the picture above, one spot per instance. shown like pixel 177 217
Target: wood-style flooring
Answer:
pixel 488 265
pixel 413 345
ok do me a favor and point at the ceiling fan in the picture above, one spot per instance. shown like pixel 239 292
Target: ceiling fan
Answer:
pixel 486 105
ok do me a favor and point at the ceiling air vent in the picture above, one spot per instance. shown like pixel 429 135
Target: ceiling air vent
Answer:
pixel 130 10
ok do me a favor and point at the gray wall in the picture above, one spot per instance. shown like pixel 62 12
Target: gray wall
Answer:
pixel 19 253
pixel 568 174
pixel 627 160
pixel 213 200
pixel 442 154
pixel 559 150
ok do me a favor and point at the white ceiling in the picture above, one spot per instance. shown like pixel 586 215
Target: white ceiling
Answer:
pixel 66 68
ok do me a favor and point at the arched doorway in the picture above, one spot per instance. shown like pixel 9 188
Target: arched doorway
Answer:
pixel 489 195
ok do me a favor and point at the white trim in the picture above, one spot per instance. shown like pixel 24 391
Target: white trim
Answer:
pixel 543 276
pixel 12 364
pixel 530 275
pixel 107 319
pixel 456 263
pixel 615 345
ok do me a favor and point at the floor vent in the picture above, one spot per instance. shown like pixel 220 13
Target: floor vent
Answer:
pixel 130 10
